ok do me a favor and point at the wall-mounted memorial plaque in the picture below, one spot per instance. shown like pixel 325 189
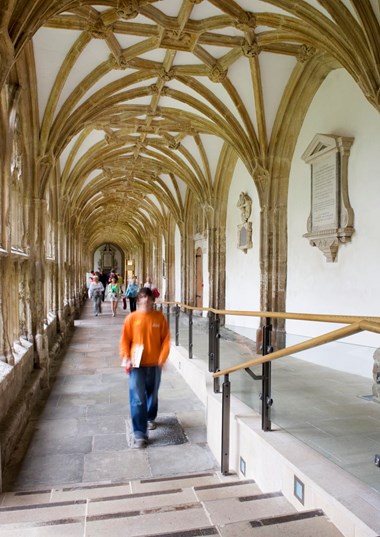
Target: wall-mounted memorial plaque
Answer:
pixel 245 229
pixel 331 219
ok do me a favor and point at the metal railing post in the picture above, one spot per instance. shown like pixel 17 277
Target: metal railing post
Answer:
pixel 217 352
pixel 190 333
pixel 177 312
pixel 168 313
pixel 226 401
pixel 211 342
pixel 266 399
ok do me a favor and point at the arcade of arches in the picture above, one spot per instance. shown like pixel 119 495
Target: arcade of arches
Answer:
pixel 181 135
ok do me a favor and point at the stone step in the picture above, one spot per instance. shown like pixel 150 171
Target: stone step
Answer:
pixel 300 524
pixel 84 492
pixel 227 510
pixel 183 506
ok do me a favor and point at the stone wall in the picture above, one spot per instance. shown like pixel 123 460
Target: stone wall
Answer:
pixel 23 384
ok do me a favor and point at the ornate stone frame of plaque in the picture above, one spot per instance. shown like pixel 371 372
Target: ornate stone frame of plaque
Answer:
pixel 108 258
pixel 331 219
pixel 244 241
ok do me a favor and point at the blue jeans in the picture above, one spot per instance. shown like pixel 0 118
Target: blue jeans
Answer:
pixel 144 383
pixel 98 304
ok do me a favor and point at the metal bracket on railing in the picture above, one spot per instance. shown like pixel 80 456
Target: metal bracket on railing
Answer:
pixel 252 374
pixel 226 403
pixel 266 399
pixel 177 312
pixel 190 333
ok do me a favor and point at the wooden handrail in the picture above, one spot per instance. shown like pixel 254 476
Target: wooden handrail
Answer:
pixel 317 317
pixel 355 324
pixel 311 343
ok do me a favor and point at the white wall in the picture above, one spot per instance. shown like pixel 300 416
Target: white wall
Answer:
pixel 351 285
pixel 177 263
pixel 242 269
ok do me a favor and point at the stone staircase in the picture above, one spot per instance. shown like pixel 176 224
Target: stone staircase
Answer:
pixel 181 506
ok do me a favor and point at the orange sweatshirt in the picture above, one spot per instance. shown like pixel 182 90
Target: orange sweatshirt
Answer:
pixel 148 329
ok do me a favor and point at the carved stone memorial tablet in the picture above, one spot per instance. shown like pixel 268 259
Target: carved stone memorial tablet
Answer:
pixel 244 241
pixel 331 219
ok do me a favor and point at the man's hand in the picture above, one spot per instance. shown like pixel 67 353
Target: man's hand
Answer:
pixel 127 363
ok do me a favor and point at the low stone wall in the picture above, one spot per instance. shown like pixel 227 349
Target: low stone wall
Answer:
pixel 22 384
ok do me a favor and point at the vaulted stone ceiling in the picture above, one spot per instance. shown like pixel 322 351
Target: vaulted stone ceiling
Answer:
pixel 140 99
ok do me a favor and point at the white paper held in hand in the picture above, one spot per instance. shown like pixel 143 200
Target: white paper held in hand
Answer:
pixel 137 355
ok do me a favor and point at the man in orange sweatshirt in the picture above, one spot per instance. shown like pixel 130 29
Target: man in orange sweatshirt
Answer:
pixel 144 348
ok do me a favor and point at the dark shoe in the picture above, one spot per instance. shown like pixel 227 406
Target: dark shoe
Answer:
pixel 151 425
pixel 140 443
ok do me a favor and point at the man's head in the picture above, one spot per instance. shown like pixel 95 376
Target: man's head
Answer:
pixel 145 298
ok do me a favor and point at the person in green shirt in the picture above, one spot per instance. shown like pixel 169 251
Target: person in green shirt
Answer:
pixel 114 293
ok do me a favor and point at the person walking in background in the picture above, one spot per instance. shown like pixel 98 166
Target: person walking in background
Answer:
pixel 95 292
pixel 120 282
pixel 148 283
pixel 113 293
pixel 104 279
pixel 131 293
pixel 144 348
pixel 151 286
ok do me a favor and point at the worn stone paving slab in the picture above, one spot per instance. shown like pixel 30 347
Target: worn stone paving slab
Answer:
pixel 53 412
pixel 109 409
pixel 197 435
pixel 58 428
pixel 171 460
pixel 51 470
pixel 116 465
pixel 47 445
pixel 192 418
pixel 110 442
pixel 121 397
pixel 79 399
pixel 101 425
